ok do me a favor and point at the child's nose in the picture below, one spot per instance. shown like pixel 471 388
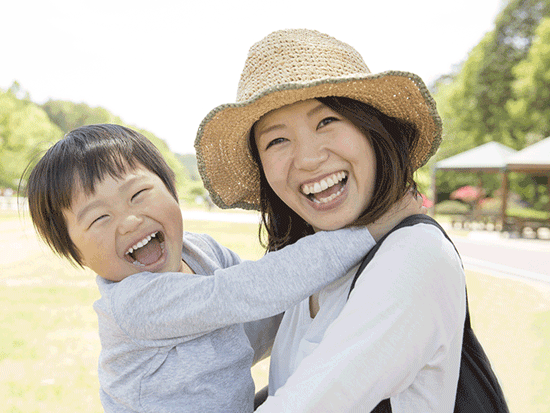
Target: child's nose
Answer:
pixel 130 223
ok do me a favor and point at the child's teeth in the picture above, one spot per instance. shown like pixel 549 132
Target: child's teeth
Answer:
pixel 141 243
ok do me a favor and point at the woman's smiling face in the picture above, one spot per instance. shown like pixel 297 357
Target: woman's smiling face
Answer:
pixel 318 162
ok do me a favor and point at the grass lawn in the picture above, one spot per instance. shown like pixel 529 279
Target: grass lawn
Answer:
pixel 512 320
pixel 48 329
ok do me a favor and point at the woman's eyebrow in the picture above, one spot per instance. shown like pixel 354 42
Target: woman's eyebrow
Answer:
pixel 270 128
pixel 316 109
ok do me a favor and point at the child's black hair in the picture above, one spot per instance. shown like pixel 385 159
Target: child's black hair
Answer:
pixel 84 157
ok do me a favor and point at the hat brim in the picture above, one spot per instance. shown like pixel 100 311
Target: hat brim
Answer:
pixel 224 160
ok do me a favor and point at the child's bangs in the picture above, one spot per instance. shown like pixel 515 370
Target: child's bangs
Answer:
pixel 100 163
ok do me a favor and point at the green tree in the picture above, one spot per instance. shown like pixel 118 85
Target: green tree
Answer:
pixel 457 105
pixel 69 115
pixel 474 101
pixel 25 132
pixel 530 109
pixel 500 92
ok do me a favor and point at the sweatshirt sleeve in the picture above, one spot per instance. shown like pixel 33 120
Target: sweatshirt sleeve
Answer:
pixel 170 305
pixel 406 307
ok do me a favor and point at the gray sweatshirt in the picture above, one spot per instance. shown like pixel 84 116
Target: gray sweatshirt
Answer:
pixel 174 342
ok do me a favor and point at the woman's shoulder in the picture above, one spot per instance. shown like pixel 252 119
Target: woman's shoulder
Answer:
pixel 421 237
pixel 420 254
pixel 413 263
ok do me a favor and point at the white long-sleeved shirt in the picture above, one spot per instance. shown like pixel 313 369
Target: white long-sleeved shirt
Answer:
pixel 399 335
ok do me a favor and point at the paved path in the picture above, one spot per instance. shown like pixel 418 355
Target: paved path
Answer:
pixel 492 253
pixel 483 251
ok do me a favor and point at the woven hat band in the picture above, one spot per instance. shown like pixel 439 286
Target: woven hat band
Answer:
pixel 296 57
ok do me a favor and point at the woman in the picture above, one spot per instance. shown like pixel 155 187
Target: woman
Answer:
pixel 317 142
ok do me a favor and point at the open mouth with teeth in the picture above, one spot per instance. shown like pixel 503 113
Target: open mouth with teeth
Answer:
pixel 327 189
pixel 147 251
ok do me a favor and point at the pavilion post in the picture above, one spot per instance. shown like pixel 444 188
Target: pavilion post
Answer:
pixel 504 190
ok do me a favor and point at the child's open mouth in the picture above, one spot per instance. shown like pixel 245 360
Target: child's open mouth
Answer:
pixel 147 251
pixel 326 189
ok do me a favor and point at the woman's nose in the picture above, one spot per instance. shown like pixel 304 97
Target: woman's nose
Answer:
pixel 129 223
pixel 309 154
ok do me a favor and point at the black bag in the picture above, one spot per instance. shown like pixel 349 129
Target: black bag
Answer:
pixel 478 389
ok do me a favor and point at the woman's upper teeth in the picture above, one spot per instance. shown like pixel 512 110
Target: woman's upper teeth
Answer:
pixel 141 243
pixel 325 183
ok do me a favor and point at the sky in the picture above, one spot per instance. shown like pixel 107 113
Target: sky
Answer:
pixel 163 65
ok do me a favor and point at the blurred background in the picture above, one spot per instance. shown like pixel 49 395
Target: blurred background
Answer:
pixel 161 66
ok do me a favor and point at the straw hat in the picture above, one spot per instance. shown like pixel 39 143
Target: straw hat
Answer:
pixel 293 65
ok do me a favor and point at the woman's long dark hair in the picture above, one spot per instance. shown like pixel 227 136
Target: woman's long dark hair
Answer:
pixel 392 141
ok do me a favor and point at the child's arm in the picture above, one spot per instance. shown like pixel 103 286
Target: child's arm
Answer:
pixel 157 306
pixel 175 304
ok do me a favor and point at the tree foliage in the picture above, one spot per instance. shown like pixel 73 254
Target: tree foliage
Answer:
pixel 530 108
pixel 501 92
pixel 27 130
pixel 475 101
pixel 69 115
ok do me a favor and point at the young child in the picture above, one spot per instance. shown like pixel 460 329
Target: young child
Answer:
pixel 173 339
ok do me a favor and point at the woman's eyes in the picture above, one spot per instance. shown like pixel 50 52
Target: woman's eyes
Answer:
pixel 326 121
pixel 274 142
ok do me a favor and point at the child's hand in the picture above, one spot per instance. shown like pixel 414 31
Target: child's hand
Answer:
pixel 407 206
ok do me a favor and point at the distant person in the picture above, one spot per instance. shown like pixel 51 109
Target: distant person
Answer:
pixel 173 339
pixel 316 142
